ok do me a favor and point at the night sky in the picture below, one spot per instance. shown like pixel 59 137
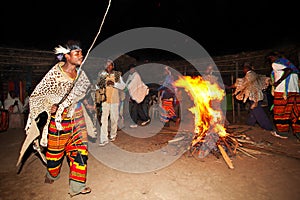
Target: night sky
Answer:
pixel 220 26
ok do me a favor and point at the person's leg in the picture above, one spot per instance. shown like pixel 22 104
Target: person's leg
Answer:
pixel 164 113
pixel 146 105
pixel 280 116
pixel 77 158
pixel 54 158
pixel 141 112
pixel 169 112
pixel 294 109
pixel 134 111
pixel 121 115
pixel 114 117
pixel 78 168
pixel 262 118
pixel 55 151
pixel 104 123
pixel 77 154
pixel 251 120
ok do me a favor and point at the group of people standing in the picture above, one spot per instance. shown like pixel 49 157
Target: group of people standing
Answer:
pixel 110 86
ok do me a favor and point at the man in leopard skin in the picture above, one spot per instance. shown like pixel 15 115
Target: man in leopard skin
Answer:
pixel 61 94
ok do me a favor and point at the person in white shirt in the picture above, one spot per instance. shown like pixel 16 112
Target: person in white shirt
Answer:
pixel 12 103
pixel 286 110
pixel 138 92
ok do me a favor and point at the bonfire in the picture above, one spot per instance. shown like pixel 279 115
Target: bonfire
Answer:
pixel 210 134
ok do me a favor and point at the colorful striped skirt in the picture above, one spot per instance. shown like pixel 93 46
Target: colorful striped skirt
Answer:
pixel 168 111
pixel 287 112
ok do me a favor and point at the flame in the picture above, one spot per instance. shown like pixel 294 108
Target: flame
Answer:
pixel 204 94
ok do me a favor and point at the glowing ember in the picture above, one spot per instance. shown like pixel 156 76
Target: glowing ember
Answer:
pixel 206 96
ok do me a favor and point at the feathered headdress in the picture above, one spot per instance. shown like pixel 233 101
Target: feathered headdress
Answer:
pixel 61 50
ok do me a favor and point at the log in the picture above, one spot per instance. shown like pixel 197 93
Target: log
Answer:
pixel 225 156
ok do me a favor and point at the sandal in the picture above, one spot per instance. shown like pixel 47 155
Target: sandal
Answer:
pixel 86 190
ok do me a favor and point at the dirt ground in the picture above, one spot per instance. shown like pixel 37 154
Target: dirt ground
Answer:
pixel 269 175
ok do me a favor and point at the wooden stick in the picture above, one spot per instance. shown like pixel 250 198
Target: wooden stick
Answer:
pixel 245 152
pixel 252 151
pixel 195 141
pixel 235 142
pixel 245 141
pixel 227 145
pixel 176 139
pixel 272 150
pixel 225 156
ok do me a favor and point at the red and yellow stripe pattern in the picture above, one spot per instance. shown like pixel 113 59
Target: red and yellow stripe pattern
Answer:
pixel 72 142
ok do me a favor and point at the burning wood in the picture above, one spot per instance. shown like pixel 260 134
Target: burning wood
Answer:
pixel 209 133
pixel 210 136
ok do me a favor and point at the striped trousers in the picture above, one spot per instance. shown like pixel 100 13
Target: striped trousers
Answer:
pixel 287 112
pixel 70 142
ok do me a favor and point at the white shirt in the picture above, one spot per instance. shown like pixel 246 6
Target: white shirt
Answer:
pixel 136 87
pixel 10 101
pixel 293 83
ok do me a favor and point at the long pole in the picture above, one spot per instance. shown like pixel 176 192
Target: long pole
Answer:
pixel 96 35
pixel 79 70
pixel 238 104
pixel 232 100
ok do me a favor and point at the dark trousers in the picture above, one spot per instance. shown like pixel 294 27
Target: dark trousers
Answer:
pixel 259 115
pixel 137 111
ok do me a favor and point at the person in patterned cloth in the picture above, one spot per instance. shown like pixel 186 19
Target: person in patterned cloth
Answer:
pixel 250 88
pixel 285 89
pixel 61 94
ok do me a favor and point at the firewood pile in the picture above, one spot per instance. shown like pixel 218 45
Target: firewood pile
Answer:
pixel 236 142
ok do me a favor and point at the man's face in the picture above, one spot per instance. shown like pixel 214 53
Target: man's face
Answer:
pixel 75 57
pixel 109 66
